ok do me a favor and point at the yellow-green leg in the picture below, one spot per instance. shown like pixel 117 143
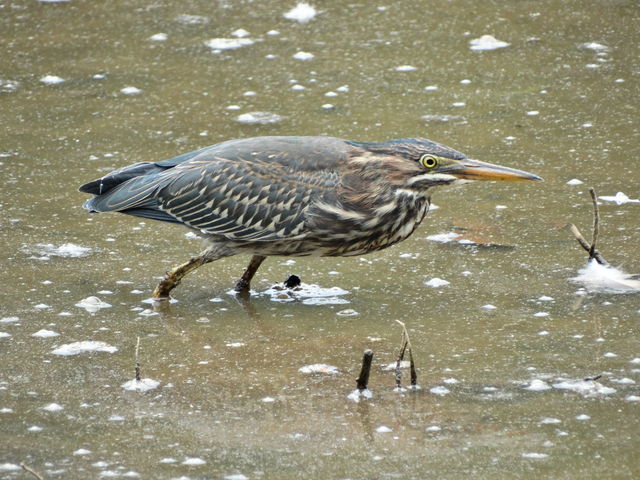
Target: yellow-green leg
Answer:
pixel 173 277
pixel 244 283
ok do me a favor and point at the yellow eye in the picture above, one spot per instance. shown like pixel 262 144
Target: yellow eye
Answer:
pixel 428 161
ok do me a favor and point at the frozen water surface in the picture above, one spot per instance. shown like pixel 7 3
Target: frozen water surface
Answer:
pixel 220 363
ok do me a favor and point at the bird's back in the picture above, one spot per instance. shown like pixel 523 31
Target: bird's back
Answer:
pixel 255 189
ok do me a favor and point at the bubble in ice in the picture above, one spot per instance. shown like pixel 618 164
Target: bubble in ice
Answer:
pixel 302 12
pixel 436 282
pixel 76 348
pixel 259 118
pixel 440 390
pixel 304 56
pixel 228 43
pixel 158 37
pixel 53 407
pixel 595 46
pixel 535 456
pixel 92 304
pixel 235 476
pixel 44 333
pixel 9 467
pixel 240 33
pixel 487 42
pixel 51 80
pixel 405 68
pixel 130 90
pixel 321 368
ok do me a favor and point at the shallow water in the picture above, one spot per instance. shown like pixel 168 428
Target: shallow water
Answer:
pixel 502 394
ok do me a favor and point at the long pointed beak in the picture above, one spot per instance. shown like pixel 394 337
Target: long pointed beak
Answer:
pixel 476 170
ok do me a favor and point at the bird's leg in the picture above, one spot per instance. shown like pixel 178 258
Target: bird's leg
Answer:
pixel 245 281
pixel 173 277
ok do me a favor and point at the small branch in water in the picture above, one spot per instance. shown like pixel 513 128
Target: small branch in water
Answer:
pixel 137 363
pixel 27 468
pixel 590 247
pixel 406 344
pixel 398 371
pixel 363 379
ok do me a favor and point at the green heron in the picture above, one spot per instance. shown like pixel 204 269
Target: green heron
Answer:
pixel 291 196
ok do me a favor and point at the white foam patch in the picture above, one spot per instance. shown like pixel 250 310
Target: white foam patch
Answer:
pixel 142 385
pixel 588 388
pixel 310 294
pixel 619 198
pixel 92 304
pixel 228 43
pixel 65 250
pixel 440 390
pixel 535 456
pixel 9 319
pixel 9 467
pixel 158 37
pixel 44 333
pixel 53 407
pixel 444 237
pixel 606 279
pixel 358 395
pixel 487 42
pixel 194 461
pixel 575 181
pixel 321 368
pixel 304 56
pixel 302 12
pixel 537 385
pixel 436 282
pixel 86 346
pixel 5 334
pixel 260 118
pixel 130 90
pixel 51 80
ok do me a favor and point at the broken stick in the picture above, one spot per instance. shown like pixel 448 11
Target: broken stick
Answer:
pixel 591 247
pixel 363 379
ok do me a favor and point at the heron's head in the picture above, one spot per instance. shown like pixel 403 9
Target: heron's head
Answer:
pixel 420 164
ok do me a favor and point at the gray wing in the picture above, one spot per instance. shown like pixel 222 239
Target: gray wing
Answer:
pixel 253 189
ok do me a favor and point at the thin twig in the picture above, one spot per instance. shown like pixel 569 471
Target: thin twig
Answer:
pixel 406 344
pixel 363 379
pixel 137 363
pixel 27 468
pixel 596 222
pixel 398 370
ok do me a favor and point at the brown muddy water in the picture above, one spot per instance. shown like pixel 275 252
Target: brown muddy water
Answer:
pixel 502 349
